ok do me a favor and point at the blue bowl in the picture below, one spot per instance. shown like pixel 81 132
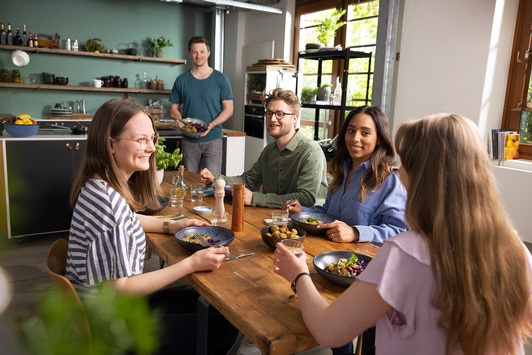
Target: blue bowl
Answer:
pixel 221 236
pixel 21 130
pixel 296 219
pixel 321 261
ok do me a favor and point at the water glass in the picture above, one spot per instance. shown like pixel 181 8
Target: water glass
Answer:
pixel 196 193
pixel 177 197
pixel 295 246
pixel 219 219
pixel 279 217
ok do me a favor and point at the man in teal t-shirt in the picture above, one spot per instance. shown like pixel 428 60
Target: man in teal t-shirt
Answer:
pixel 203 93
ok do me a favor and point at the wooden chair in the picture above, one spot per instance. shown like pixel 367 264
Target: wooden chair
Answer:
pixel 56 267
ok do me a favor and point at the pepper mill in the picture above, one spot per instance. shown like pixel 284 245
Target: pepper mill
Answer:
pixel 237 224
pixel 219 194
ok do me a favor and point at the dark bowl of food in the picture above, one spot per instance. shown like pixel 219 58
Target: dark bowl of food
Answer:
pixel 192 127
pixel 340 267
pixel 61 80
pixel 271 235
pixel 216 236
pixel 310 220
pixel 162 200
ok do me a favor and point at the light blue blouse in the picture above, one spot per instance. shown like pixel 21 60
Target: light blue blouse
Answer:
pixel 380 216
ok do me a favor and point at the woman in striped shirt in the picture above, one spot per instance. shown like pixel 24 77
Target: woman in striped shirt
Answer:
pixel 107 243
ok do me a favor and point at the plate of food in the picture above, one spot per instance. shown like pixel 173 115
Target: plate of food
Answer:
pixel 340 267
pixel 216 236
pixel 192 127
pixel 309 221
pixel 162 200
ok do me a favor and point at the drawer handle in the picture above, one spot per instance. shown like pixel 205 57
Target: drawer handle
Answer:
pixel 69 147
pixel 77 147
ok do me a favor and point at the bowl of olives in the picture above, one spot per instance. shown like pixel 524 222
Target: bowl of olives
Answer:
pixel 271 235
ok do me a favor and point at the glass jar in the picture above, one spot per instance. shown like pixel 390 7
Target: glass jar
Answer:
pixel 15 76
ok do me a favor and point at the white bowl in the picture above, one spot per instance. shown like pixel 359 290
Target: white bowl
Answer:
pixel 20 58
pixel 202 209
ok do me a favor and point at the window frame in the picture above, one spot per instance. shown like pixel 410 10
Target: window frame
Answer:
pixel 519 74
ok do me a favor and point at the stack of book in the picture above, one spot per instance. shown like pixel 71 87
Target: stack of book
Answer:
pixel 504 144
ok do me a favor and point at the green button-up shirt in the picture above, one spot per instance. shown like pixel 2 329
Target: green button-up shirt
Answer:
pixel 299 171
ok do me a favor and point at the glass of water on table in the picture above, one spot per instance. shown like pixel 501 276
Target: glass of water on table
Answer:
pixel 279 217
pixel 295 246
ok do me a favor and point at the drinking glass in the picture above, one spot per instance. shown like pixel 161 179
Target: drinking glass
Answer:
pixel 219 219
pixel 196 193
pixel 295 246
pixel 279 217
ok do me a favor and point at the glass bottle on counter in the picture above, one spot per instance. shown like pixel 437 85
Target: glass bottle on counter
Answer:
pixel 9 35
pixel 3 36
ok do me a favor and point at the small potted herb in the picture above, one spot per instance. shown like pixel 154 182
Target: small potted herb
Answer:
pixel 308 94
pixel 164 159
pixel 158 45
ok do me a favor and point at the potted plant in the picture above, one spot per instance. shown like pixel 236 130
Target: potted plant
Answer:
pixel 158 45
pixel 164 159
pixel 328 25
pixel 94 45
pixel 308 94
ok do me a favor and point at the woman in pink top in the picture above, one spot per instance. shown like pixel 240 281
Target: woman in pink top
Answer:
pixel 458 283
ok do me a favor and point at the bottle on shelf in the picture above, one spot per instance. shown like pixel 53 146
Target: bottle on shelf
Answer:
pixel 35 41
pixel 30 40
pixel 3 36
pixel 75 45
pixel 18 38
pixel 9 35
pixel 145 80
pixel 24 36
pixel 68 46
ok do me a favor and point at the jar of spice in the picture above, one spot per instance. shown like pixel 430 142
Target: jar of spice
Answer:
pixel 160 84
pixel 15 76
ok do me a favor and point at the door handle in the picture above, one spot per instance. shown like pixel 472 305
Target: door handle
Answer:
pixel 69 146
pixel 77 147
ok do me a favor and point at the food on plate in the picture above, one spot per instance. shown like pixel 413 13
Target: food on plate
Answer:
pixel 347 267
pixel 311 220
pixel 193 127
pixel 189 237
pixel 283 232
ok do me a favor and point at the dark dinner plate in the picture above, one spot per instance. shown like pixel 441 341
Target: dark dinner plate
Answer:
pixel 221 236
pixel 322 260
pixel 296 219
pixel 162 200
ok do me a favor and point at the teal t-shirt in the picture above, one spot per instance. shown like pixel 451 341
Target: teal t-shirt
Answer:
pixel 202 99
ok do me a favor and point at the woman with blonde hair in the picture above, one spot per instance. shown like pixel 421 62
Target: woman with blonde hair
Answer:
pixel 458 283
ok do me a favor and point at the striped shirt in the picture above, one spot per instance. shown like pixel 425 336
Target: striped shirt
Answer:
pixel 106 240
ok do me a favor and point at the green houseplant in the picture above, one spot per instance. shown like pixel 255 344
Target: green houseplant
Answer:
pixel 158 45
pixel 164 159
pixel 308 93
pixel 327 26
pixel 94 45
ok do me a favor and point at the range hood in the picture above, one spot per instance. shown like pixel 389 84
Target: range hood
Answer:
pixel 257 5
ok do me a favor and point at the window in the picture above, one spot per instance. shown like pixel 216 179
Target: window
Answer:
pixel 518 104
pixel 360 32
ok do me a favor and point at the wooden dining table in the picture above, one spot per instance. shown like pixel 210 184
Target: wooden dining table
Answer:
pixel 246 291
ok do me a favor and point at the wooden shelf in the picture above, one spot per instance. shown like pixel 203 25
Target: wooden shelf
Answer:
pixel 81 88
pixel 134 58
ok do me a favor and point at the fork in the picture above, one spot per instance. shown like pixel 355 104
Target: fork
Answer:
pixel 231 256
pixel 201 239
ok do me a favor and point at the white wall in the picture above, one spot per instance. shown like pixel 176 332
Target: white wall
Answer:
pixel 454 58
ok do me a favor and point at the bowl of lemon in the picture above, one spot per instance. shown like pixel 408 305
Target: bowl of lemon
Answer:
pixel 21 126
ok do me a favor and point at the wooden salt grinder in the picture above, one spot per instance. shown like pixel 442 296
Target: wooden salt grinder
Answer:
pixel 219 194
pixel 237 224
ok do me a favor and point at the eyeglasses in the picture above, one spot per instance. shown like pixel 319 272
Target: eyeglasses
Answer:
pixel 279 115
pixel 143 142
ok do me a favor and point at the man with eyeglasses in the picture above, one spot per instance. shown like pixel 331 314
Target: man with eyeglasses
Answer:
pixel 291 167
pixel 206 94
